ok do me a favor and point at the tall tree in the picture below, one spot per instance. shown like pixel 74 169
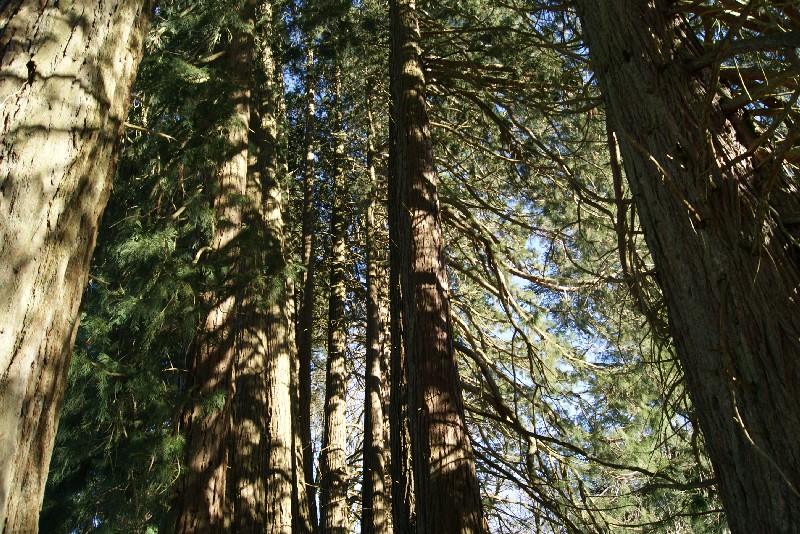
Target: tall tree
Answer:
pixel 718 216
pixel 334 509
pixel 447 491
pixel 252 460
pixel 58 155
pixel 262 446
pixel 305 315
pixel 375 512
pixel 204 500
pixel 400 453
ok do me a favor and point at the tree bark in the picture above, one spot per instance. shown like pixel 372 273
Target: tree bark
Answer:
pixel 249 329
pixel 263 451
pixel 447 491
pixel 301 506
pixel 374 515
pixel 204 504
pixel 335 510
pixel 65 81
pixel 203 501
pixel 305 323
pixel 729 268
pixel 403 513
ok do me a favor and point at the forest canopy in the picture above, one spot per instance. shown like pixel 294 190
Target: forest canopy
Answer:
pixel 355 266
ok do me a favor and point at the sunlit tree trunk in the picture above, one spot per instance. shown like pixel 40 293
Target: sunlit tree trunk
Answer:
pixel 305 320
pixel 66 72
pixel 718 225
pixel 262 446
pixel 247 332
pixel 334 509
pixel 203 503
pixel 375 510
pixel 447 491
pixel 301 511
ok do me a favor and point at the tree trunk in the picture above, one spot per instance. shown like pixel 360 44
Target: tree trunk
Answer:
pixel 403 514
pixel 335 511
pixel 447 491
pixel 203 504
pixel 728 268
pixel 305 323
pixel 263 430
pixel 65 80
pixel 374 515
pixel 301 508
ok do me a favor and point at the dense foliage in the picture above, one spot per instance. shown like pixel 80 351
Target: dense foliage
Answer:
pixel 575 399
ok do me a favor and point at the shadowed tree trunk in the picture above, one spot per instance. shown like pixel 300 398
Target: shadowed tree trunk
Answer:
pixel 66 73
pixel 403 515
pixel 447 492
pixel 334 509
pixel 305 322
pixel 203 504
pixel 718 224
pixel 375 510
pixel 248 331
pixel 301 506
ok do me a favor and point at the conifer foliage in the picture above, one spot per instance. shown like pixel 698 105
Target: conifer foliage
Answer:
pixel 442 267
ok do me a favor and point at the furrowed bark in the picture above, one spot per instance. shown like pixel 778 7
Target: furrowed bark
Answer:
pixel 263 430
pixel 66 73
pixel 447 492
pixel 729 271
pixel 204 503
pixel 403 507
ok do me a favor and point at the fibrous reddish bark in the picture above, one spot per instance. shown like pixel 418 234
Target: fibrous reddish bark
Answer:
pixel 203 503
pixel 262 446
pixel 240 457
pixel 447 491
pixel 403 514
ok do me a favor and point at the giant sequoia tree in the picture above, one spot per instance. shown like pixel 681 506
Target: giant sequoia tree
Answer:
pixel 240 451
pixel 67 73
pixel 447 492
pixel 203 496
pixel 719 210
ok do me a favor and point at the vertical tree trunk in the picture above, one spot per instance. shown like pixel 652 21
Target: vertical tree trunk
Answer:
pixel 729 271
pixel 305 322
pixel 66 73
pixel 403 514
pixel 374 515
pixel 335 511
pixel 263 429
pixel 301 507
pixel 202 491
pixel 203 503
pixel 447 491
